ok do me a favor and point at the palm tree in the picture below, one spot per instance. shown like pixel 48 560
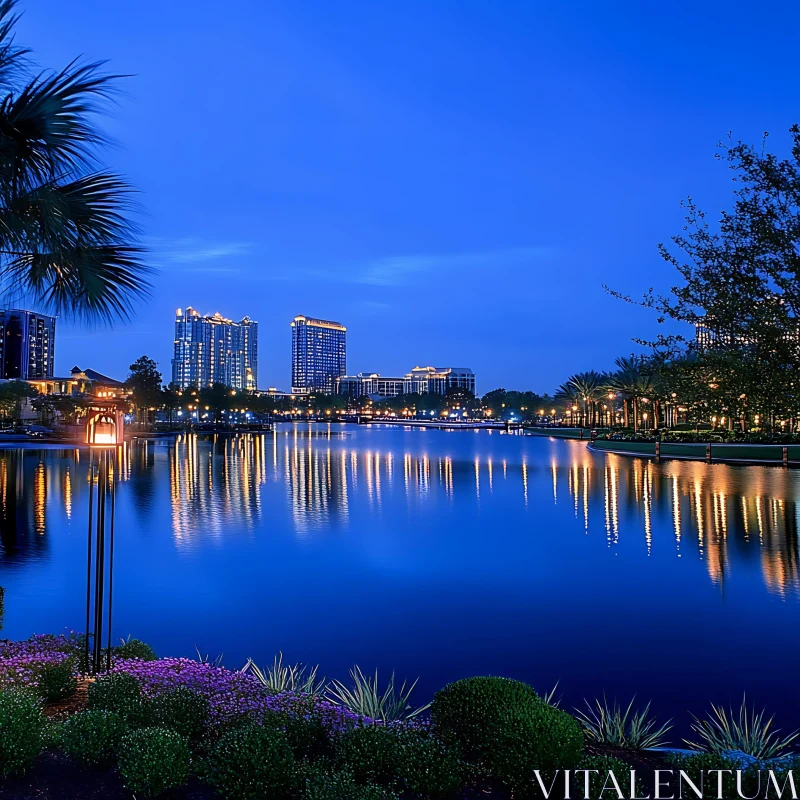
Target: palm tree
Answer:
pixel 627 382
pixel 584 389
pixel 66 242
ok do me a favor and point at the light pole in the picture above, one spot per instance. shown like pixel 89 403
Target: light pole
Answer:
pixel 104 431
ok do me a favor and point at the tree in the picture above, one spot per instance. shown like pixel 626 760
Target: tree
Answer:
pixel 66 240
pixel 144 381
pixel 740 283
pixel 12 393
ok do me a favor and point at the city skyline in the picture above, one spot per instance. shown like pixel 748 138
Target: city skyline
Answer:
pixel 519 161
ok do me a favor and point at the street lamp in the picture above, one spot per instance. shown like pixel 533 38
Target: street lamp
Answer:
pixel 104 431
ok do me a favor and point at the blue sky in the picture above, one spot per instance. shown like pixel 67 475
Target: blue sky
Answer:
pixel 454 181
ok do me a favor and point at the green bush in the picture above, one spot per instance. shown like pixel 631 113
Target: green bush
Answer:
pixel 426 766
pixel 120 693
pixel 22 730
pixel 505 729
pixel 697 766
pixel 57 681
pixel 603 765
pixel 372 754
pixel 321 781
pixel 252 763
pixel 134 648
pixel 92 737
pixel 152 760
pixel 181 710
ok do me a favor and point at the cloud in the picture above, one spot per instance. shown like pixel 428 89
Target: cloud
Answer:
pixel 399 270
pixel 193 251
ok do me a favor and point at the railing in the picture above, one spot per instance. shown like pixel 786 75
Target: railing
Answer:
pixel 704 451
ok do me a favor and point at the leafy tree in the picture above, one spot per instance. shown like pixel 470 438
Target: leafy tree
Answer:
pixel 740 286
pixel 144 381
pixel 66 240
pixel 12 394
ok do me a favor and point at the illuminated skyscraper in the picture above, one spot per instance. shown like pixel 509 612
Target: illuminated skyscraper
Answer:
pixel 213 349
pixel 27 345
pixel 319 354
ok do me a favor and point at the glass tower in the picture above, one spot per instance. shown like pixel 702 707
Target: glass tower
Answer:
pixel 213 349
pixel 27 345
pixel 319 354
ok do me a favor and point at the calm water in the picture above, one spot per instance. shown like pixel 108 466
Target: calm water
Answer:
pixel 432 553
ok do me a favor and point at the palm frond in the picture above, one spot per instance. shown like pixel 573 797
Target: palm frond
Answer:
pixel 748 732
pixel 365 697
pixel 13 58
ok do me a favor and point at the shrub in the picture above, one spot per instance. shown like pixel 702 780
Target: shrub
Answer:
pixel 120 693
pixel 320 781
pixel 22 730
pixel 697 766
pixel 603 765
pixel 57 680
pixel 372 753
pixel 505 729
pixel 462 710
pixel 252 763
pixel 92 737
pixel 426 766
pixel 152 760
pixel 134 648
pixel 181 710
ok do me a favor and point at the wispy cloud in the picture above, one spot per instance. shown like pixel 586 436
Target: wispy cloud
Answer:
pixel 400 270
pixel 192 252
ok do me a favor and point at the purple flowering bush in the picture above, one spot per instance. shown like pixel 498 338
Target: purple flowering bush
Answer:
pixel 23 664
pixel 234 697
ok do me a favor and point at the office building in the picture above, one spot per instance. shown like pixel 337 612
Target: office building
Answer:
pixel 421 380
pixel 27 345
pixel 213 349
pixel 319 354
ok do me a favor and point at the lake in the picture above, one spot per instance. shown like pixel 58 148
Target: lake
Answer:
pixel 430 553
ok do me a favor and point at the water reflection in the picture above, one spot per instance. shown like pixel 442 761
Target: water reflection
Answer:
pixel 720 515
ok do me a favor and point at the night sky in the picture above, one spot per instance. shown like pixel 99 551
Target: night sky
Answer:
pixel 454 181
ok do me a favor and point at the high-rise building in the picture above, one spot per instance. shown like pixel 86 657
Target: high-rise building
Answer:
pixel 213 349
pixel 319 354
pixel 27 345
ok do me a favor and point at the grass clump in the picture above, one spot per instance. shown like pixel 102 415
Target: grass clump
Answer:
pixel 282 677
pixel 252 763
pixel 22 730
pixel 608 723
pixel 152 760
pixel 747 731
pixel 365 697
pixel 92 737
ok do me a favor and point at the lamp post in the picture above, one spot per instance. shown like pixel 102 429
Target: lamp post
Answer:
pixel 104 431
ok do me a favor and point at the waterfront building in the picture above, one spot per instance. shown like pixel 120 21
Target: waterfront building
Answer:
pixel 421 380
pixel 81 382
pixel 438 380
pixel 319 354
pixel 213 349
pixel 27 345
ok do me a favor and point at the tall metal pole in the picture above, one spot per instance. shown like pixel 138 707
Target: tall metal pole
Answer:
pixel 111 556
pixel 89 560
pixel 100 561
